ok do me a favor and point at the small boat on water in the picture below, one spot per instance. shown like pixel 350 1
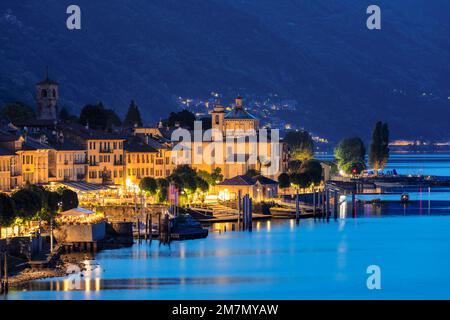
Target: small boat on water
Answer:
pixel 288 213
pixel 404 198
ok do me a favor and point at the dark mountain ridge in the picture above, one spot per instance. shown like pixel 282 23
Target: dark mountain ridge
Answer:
pixel 320 53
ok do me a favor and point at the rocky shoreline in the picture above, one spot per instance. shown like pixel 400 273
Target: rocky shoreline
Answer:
pixel 62 268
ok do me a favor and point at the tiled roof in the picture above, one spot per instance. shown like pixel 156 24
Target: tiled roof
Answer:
pixel 6 152
pixel 264 180
pixel 247 181
pixel 6 137
pixel 90 134
pixel 136 145
pixel 31 144
pixel 238 113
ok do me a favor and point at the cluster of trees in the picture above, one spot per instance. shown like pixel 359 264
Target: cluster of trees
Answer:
pixel 97 116
pixel 301 175
pixel 184 118
pixel 34 203
pixel 379 147
pixel 188 180
pixel 17 112
pixel 350 152
pixel 300 144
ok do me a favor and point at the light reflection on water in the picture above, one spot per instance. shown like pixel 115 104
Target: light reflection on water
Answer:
pixel 283 260
pixel 315 259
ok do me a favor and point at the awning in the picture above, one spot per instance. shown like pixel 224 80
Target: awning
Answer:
pixel 84 186
pixel 76 212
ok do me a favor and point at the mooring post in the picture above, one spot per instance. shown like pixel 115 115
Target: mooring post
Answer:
pixel 6 284
pixel 327 213
pixel 51 235
pixel 244 213
pixel 1 276
pixel 139 229
pixel 324 200
pixel 353 205
pixel 250 208
pixel 429 200
pixel 297 208
pixel 151 228
pixel 336 202
pixel 314 202
pixel 168 237
pixel 239 209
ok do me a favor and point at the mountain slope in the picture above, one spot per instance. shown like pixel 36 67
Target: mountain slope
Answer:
pixel 344 76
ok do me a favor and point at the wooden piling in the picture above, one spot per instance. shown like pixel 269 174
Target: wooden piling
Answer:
pixel 324 209
pixel 314 203
pixel 139 229
pixel 5 271
pixel 159 228
pixel 336 202
pixel 297 208
pixel 239 207
pixel 353 205
pixel 146 226
pixel 151 228
pixel 1 276
pixel 327 195
pixel 250 208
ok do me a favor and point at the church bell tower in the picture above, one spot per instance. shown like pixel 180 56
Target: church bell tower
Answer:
pixel 47 99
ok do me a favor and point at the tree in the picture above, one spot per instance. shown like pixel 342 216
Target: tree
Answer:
pixel 379 147
pixel 53 201
pixel 216 176
pixel 284 180
pixel 133 116
pixel 300 144
pixel 69 199
pixel 98 117
pixel 294 165
pixel 202 185
pixel 112 119
pixel 185 118
pixel 211 178
pixel 65 115
pixel 350 152
pixel 27 203
pixel 163 191
pixel 313 169
pixel 252 173
pixel 149 185
pixel 42 193
pixel 188 180
pixel 17 112
pixel 6 211
pixel 184 178
pixel 300 180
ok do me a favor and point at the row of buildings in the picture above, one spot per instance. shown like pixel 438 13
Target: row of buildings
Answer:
pixel 46 150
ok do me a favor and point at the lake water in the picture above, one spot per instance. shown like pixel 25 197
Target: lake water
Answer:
pixel 282 260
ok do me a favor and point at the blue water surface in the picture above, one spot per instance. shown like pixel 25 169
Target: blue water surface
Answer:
pixel 316 259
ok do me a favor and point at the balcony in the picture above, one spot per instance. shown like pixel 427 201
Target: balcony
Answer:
pixel 107 150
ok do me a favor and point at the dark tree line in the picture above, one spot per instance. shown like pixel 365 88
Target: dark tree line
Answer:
pixel 379 147
pixel 34 203
pixel 350 152
pixel 302 176
pixel 186 179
